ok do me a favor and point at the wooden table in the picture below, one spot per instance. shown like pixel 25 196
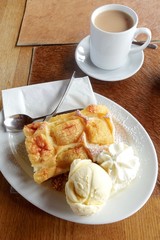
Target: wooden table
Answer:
pixel 140 95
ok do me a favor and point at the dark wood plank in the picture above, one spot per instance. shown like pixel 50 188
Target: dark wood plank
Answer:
pixel 139 94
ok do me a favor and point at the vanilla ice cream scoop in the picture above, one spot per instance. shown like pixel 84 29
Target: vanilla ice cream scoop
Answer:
pixel 120 163
pixel 88 187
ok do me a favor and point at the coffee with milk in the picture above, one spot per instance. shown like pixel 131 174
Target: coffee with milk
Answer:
pixel 114 21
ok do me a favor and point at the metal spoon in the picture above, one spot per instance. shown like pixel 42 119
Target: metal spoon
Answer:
pixel 150 45
pixel 16 122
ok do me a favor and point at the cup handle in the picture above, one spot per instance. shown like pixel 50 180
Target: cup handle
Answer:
pixel 145 31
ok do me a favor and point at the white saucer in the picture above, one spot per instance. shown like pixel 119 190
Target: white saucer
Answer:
pixel 82 57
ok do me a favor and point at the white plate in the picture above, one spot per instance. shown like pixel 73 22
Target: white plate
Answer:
pixel 16 169
pixel 82 57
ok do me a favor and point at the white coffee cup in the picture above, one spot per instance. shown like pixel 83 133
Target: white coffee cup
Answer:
pixel 109 50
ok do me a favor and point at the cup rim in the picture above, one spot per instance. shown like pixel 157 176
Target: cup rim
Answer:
pixel 119 7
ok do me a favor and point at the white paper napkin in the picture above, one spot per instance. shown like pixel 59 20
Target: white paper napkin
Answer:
pixel 41 99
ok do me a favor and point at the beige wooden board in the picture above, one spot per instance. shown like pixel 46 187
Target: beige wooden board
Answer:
pixel 65 21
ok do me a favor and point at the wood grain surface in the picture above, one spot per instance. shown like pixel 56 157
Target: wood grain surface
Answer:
pixel 22 220
pixel 14 61
pixel 66 21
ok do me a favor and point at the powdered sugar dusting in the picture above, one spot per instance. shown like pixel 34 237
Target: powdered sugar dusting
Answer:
pixel 127 128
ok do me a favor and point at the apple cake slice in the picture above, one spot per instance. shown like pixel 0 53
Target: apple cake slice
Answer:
pixel 53 145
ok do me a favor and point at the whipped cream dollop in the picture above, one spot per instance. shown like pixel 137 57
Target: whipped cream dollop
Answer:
pixel 120 163
pixel 88 187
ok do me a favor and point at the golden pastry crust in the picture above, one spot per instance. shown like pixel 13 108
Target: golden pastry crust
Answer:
pixel 68 132
pixel 53 145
